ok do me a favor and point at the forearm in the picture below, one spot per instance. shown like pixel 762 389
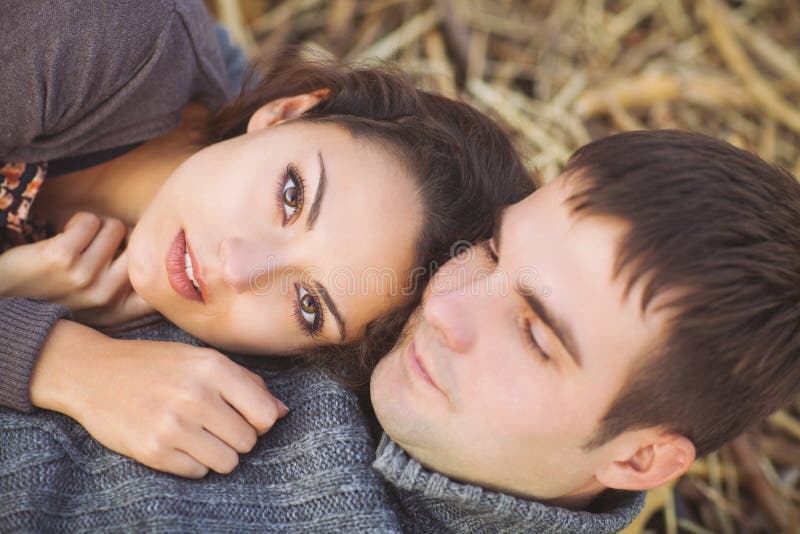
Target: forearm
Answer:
pixel 24 326
pixel 59 376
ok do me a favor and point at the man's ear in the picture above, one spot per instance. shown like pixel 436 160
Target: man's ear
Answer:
pixel 662 457
pixel 282 109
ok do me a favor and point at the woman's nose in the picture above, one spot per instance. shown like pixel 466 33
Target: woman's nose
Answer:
pixel 448 313
pixel 245 265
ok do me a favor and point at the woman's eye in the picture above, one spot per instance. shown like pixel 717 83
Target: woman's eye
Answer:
pixel 308 309
pixel 291 195
pixel 291 198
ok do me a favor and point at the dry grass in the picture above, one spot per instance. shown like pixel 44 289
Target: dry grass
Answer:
pixel 558 73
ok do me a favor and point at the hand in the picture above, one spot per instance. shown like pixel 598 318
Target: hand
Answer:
pixel 77 268
pixel 171 406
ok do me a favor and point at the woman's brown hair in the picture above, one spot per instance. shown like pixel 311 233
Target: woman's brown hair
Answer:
pixel 465 168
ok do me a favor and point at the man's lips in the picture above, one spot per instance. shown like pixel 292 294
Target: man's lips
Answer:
pixel 417 366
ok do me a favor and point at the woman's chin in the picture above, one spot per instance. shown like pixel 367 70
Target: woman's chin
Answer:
pixel 140 263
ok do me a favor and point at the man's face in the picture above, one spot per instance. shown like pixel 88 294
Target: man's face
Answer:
pixel 506 371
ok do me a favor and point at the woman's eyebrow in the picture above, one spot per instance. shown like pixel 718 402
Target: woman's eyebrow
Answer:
pixel 332 308
pixel 313 212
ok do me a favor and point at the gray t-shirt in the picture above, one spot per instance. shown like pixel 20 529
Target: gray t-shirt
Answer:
pixel 79 77
pixel 83 76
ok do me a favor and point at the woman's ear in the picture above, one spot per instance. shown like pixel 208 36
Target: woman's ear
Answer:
pixel 663 457
pixel 282 109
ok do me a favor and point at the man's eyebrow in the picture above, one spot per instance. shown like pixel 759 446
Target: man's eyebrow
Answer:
pixel 332 307
pixel 313 212
pixel 559 328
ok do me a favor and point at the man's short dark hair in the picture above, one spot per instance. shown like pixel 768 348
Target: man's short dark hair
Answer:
pixel 714 233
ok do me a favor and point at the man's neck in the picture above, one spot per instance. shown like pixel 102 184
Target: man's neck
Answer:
pixel 579 500
pixel 531 488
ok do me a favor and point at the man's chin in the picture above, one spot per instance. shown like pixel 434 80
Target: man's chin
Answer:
pixel 381 389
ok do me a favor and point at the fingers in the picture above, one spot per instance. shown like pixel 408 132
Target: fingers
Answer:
pixel 212 452
pixel 131 307
pixel 112 283
pixel 111 298
pixel 81 253
pixel 98 255
pixel 177 440
pixel 116 277
pixel 77 236
pixel 218 413
pixel 282 408
pixel 182 464
pixel 229 426
pixel 200 452
pixel 246 392
pixel 95 279
pixel 244 409
pixel 65 268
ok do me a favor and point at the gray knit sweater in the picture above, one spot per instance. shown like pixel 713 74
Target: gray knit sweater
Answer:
pixel 315 471
pixel 430 502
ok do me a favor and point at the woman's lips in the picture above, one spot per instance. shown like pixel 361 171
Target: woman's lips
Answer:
pixel 176 270
pixel 197 271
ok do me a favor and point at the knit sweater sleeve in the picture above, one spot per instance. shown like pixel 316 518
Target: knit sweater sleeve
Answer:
pixel 310 473
pixel 24 326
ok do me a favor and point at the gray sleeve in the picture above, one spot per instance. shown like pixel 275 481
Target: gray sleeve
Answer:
pixel 310 473
pixel 88 75
pixel 236 65
pixel 24 326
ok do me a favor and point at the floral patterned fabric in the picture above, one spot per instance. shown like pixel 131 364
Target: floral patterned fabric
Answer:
pixel 19 183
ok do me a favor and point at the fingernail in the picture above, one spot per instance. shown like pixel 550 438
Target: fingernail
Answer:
pixel 282 408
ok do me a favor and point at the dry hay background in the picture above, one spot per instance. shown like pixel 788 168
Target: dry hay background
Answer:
pixel 558 73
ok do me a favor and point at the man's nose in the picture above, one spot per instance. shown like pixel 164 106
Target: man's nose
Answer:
pixel 449 315
pixel 244 263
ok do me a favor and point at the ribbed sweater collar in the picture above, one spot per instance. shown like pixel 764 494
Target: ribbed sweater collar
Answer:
pixel 432 502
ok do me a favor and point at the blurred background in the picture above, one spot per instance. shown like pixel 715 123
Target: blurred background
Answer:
pixel 559 73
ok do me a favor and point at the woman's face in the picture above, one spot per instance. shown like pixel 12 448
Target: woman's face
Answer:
pixel 297 234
